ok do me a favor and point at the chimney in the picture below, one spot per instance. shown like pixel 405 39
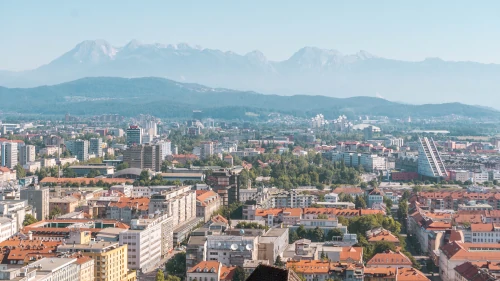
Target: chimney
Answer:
pixel 30 235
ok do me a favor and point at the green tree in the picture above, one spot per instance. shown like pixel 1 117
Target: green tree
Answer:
pixel 322 217
pixel 317 235
pixel 363 185
pixel 20 171
pixel 172 278
pixel 69 173
pixel 159 276
pixel 93 173
pixel 293 236
pixel 406 195
pixel 402 211
pixel 360 202
pixel 239 274
pixel 29 219
pixel 333 233
pixel 302 232
pixel 56 211
pixel 177 265
pixel 388 202
pixel 122 166
pixel 279 262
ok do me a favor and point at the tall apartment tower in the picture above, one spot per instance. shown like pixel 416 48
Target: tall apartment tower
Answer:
pixel 37 197
pixel 95 147
pixel 133 156
pixel 79 148
pixel 134 136
pixel 9 154
pixel 27 154
pixel 430 163
pixel 149 157
pixel 207 149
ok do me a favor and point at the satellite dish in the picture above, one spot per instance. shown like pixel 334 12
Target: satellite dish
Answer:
pixel 242 231
pixel 249 247
pixel 219 244
pixel 234 247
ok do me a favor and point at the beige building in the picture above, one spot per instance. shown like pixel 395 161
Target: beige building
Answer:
pixel 207 202
pixel 66 204
pixel 179 203
pixel 210 270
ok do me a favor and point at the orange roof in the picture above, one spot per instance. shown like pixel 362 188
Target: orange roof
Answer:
pixel 206 195
pixel 266 212
pixel 16 249
pixel 294 212
pixel 385 235
pixel 85 180
pixel 364 212
pixel 5 170
pixel 389 258
pixel 483 227
pixel 410 274
pixel 141 203
pixel 380 271
pixel 310 266
pixel 351 254
pixel 209 265
pixel 219 218
pixel 348 190
pixel 226 273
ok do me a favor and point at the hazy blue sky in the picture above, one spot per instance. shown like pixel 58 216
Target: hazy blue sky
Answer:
pixel 33 33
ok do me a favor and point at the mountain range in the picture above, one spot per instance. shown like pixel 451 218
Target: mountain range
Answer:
pixel 167 98
pixel 310 71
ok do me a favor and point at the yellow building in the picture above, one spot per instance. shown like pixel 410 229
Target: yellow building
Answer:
pixel 110 259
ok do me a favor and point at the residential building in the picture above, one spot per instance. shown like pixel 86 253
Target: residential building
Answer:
pixel 38 197
pixel 127 209
pixel 389 259
pixel 27 154
pixel 148 240
pixel 134 136
pixel 376 196
pixel 469 271
pixel 207 149
pixel 180 203
pixel 430 163
pixel 79 148
pixel 110 259
pixel 8 228
pixel 210 270
pixel 312 270
pixel 207 202
pixel 61 269
pixel 95 147
pixel 380 234
pixel 9 154
pixel 66 204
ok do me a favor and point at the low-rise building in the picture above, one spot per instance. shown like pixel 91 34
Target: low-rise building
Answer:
pixel 210 270
pixel 207 202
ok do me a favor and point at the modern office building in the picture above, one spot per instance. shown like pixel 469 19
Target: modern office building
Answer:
pixel 38 197
pixel 430 163
pixel 95 147
pixel 9 154
pixel 143 157
pixel 27 154
pixel 134 135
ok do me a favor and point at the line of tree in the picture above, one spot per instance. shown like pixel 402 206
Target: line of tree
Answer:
pixel 314 234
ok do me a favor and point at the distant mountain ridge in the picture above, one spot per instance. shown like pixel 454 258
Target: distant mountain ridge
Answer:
pixel 310 71
pixel 167 98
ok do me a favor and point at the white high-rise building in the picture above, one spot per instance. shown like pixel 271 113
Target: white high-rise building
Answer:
pixel 27 154
pixel 207 149
pixel 79 148
pixel 9 154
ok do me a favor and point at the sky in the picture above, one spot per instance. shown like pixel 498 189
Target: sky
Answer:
pixel 36 32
